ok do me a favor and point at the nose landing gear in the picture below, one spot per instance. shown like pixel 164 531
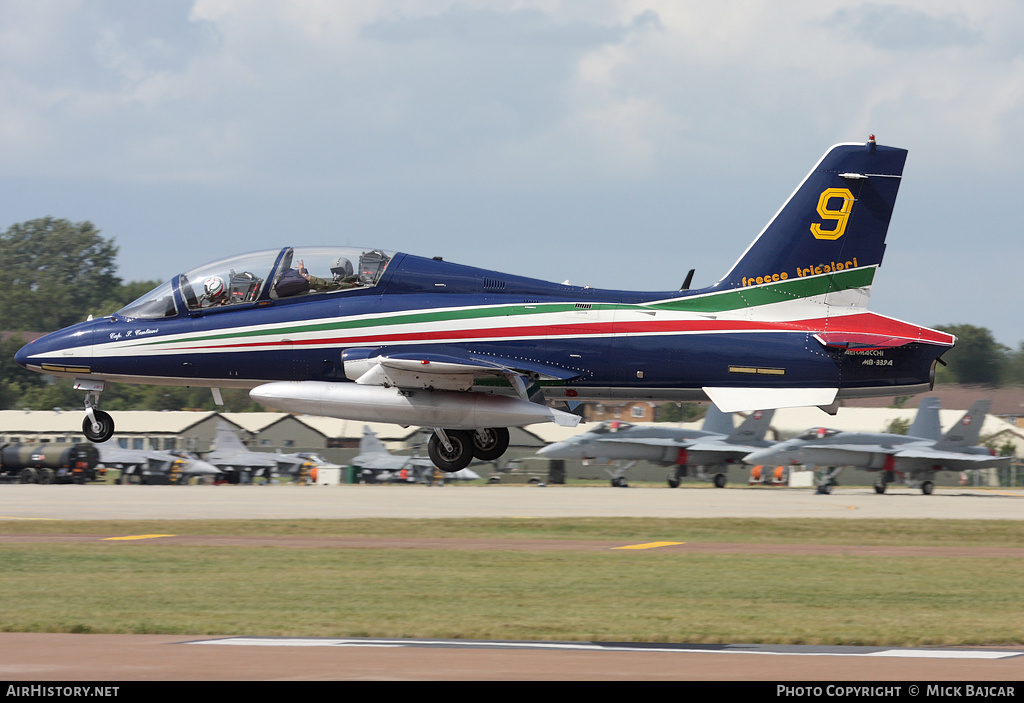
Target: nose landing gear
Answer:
pixel 97 426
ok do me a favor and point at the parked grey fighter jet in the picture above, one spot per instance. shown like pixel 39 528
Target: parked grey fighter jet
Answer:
pixel 708 451
pixel 242 464
pixel 913 458
pixel 152 466
pixel 376 463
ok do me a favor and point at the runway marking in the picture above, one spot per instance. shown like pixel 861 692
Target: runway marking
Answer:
pixel 649 545
pixel 128 537
pixel 12 517
pixel 776 650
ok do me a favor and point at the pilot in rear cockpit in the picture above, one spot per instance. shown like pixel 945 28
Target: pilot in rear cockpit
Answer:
pixel 342 276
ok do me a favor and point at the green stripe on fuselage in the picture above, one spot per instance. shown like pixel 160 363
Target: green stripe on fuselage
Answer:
pixel 753 296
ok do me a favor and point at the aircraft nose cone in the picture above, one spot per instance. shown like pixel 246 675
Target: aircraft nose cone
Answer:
pixel 559 450
pixel 21 356
pixel 760 457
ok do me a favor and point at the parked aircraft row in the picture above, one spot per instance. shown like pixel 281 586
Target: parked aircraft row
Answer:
pixel 393 337
pixel 914 458
pixel 705 454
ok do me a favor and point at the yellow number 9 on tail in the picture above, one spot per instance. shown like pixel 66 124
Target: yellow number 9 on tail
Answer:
pixel 840 216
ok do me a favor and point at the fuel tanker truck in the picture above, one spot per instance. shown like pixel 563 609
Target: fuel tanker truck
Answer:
pixel 50 463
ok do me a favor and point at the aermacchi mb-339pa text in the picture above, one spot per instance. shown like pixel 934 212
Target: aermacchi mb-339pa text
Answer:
pixel 373 335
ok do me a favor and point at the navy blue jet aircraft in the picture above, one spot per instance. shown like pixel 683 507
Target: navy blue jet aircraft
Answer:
pixel 374 335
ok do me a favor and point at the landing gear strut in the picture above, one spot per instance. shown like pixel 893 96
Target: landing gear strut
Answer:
pixel 97 426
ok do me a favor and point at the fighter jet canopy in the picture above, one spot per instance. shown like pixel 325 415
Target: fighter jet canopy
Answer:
pixel 262 275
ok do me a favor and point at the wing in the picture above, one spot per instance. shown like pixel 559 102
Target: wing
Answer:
pixel 444 368
pixel 951 461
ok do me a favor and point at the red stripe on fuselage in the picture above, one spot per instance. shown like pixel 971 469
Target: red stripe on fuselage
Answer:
pixel 860 323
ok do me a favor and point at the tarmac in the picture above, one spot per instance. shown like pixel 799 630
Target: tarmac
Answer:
pixel 31 658
pixel 131 502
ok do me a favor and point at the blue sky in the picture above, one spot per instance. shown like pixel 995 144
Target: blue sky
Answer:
pixel 608 143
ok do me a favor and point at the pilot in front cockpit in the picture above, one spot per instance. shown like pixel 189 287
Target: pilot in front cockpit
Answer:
pixel 342 276
pixel 214 292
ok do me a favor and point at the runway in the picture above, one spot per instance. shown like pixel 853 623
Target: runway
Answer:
pixel 109 502
pixel 38 657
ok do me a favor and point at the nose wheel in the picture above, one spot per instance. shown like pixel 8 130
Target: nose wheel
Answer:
pixel 97 426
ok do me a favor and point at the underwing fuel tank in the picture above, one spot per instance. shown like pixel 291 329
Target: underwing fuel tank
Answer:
pixel 430 408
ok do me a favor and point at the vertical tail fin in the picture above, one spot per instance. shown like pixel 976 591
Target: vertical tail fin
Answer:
pixel 716 421
pixel 926 424
pixel 832 229
pixel 227 439
pixel 369 444
pixel 753 428
pixel 965 432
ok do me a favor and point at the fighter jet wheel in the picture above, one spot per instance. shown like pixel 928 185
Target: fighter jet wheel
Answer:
pixel 490 443
pixel 720 480
pixel 927 487
pixel 106 427
pixel 460 455
pixel 673 480
pixel 880 485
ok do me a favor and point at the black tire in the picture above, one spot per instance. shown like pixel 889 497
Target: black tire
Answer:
pixel 490 443
pixel 461 453
pixel 719 480
pixel 927 487
pixel 46 477
pixel 673 481
pixel 106 427
pixel 880 485
pixel 28 476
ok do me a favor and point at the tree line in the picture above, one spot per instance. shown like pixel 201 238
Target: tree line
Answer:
pixel 60 272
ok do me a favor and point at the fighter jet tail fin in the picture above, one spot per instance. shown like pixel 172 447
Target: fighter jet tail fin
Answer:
pixel 716 421
pixel 227 440
pixel 965 432
pixel 753 428
pixel 829 236
pixel 926 424
pixel 369 444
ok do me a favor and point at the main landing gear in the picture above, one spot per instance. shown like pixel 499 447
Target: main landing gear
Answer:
pixel 453 450
pixel 97 426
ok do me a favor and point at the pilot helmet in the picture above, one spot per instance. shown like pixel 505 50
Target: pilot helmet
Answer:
pixel 214 288
pixel 342 268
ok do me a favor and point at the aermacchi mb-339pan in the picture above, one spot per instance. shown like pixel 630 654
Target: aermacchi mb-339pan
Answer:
pixel 372 335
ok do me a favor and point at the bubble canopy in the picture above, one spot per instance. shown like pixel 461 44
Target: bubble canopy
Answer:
pixel 262 275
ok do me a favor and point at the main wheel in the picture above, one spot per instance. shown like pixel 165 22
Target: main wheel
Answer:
pixel 455 459
pixel 102 431
pixel 927 487
pixel 673 480
pixel 880 485
pixel 490 443
pixel 720 480
pixel 28 475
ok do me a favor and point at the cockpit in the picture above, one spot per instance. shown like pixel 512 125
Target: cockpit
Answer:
pixel 262 276
pixel 609 427
pixel 817 433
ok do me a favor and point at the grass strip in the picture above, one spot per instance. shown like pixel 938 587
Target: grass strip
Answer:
pixel 656 595
pixel 916 532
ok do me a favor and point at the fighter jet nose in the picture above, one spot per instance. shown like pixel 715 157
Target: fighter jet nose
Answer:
pixel 21 356
pixel 763 456
pixel 558 450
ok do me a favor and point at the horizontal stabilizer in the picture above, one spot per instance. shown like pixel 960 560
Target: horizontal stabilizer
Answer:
pixel 751 399
pixel 860 341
